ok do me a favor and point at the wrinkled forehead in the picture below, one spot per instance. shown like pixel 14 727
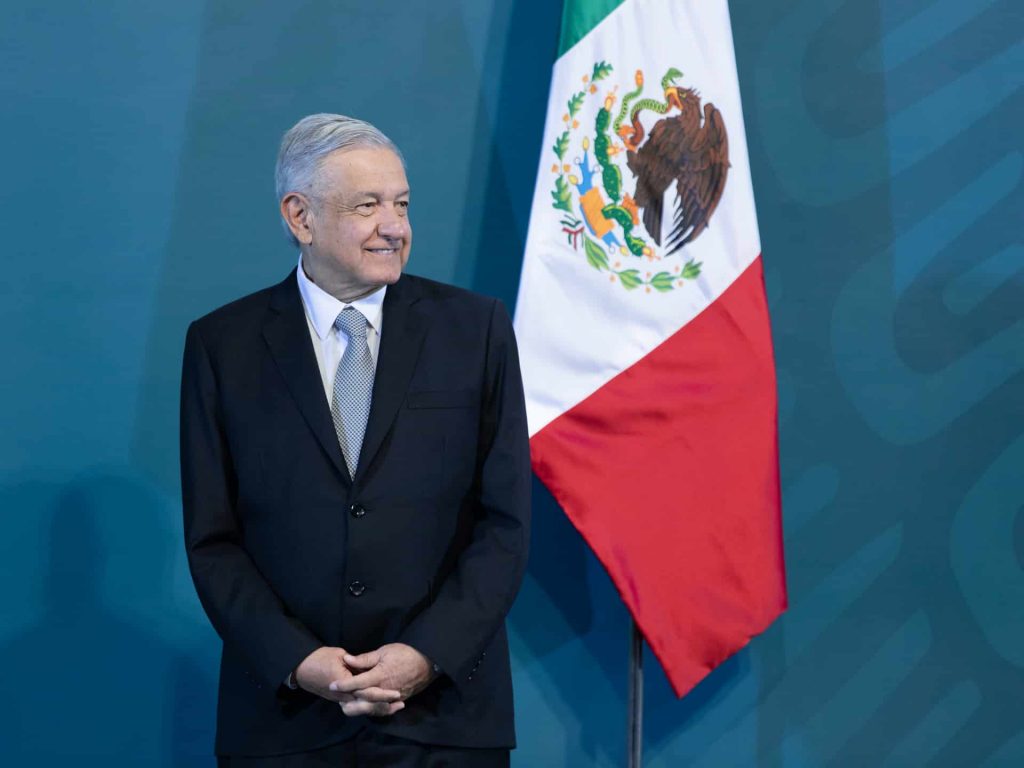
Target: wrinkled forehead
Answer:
pixel 363 170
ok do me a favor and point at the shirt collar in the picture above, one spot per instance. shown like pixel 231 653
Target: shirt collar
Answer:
pixel 323 309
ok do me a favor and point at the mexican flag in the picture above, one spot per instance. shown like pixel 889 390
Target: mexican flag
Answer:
pixel 643 327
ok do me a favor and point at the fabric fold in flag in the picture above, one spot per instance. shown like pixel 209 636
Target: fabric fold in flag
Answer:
pixel 644 332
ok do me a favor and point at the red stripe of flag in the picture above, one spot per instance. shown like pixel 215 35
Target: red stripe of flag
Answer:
pixel 670 472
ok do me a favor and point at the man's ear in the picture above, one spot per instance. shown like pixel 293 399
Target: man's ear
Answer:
pixel 297 213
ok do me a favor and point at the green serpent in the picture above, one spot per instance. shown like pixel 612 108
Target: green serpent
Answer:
pixel 655 106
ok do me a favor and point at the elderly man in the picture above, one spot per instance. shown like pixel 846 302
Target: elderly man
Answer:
pixel 355 479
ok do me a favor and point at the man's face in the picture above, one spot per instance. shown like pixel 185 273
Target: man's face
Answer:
pixel 360 224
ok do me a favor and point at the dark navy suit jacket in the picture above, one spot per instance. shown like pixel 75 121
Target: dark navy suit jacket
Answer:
pixel 425 546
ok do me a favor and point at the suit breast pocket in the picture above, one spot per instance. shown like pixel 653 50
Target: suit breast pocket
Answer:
pixel 434 426
pixel 441 398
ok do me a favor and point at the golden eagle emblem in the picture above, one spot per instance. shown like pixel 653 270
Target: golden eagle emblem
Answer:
pixel 686 150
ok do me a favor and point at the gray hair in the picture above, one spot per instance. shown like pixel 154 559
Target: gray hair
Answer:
pixel 309 141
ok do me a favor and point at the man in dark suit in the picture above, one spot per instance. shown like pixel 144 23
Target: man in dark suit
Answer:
pixel 355 478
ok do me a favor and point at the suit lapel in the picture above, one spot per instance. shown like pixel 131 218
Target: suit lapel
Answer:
pixel 287 335
pixel 401 338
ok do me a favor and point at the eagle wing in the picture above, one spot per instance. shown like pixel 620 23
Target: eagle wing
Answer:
pixel 655 168
pixel 703 168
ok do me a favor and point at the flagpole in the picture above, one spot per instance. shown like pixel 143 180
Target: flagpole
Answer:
pixel 635 728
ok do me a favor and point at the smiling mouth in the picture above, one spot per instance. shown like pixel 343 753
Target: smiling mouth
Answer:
pixel 383 251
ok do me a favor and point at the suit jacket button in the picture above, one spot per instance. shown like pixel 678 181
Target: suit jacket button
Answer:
pixel 357 510
pixel 356 588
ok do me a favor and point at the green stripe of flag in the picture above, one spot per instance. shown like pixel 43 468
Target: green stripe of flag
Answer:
pixel 581 16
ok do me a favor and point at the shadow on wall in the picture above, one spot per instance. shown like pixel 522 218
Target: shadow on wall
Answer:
pixel 108 671
pixel 507 141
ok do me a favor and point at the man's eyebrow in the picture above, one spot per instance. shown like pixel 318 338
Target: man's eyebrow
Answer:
pixel 377 195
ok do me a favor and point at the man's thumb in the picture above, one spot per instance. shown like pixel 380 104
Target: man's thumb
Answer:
pixel 363 660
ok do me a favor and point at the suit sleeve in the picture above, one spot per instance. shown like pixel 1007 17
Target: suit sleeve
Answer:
pixel 473 601
pixel 242 607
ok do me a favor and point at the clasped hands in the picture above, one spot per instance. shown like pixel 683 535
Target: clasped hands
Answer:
pixel 373 683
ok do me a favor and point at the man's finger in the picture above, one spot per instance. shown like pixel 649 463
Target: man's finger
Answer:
pixel 371 679
pixel 376 694
pixel 357 708
pixel 363 661
pixel 379 709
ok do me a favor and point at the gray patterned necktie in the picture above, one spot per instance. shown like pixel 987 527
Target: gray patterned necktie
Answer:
pixel 353 386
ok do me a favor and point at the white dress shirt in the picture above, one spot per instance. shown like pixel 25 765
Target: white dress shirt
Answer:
pixel 328 342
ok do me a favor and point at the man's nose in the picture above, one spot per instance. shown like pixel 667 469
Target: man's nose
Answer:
pixel 391 223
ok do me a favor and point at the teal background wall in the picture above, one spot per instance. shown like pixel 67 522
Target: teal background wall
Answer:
pixel 886 152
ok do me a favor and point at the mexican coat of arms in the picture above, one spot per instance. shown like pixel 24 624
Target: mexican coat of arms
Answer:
pixel 622 233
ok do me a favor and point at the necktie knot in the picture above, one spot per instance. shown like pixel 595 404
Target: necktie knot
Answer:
pixel 352 322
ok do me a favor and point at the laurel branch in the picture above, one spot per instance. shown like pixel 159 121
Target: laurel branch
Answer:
pixel 631 278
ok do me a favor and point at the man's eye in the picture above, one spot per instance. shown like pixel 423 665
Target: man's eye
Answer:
pixel 366 208
pixel 402 206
